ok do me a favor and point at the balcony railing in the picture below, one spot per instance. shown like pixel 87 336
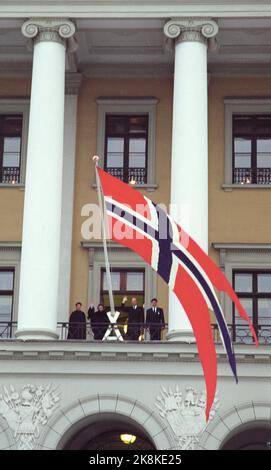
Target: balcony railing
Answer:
pixel 248 176
pixel 138 175
pixel 240 334
pixel 10 174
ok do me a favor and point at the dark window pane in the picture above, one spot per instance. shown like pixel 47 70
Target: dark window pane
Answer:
pixel 11 125
pixel 137 153
pixel 263 125
pixel 5 307
pixel 264 311
pixel 11 153
pixel 115 152
pixel 115 280
pixel 264 282
pixel 264 153
pixel 243 282
pixel 115 125
pixel 242 330
pixel 242 152
pixel 6 280
pixel 138 124
pixel 242 125
pixel 135 281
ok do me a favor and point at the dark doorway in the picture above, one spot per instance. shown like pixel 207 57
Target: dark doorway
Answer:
pixel 253 436
pixel 106 431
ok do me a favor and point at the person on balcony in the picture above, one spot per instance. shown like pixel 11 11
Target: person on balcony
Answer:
pixel 99 321
pixel 77 323
pixel 135 318
pixel 155 320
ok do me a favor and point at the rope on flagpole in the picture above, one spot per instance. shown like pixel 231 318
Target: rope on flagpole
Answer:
pixel 104 236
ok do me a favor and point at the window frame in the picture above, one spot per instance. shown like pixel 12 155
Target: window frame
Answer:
pixel 119 257
pixel 240 257
pixel 123 292
pixel 9 292
pixel 126 137
pixel 18 106
pixel 255 295
pixel 130 106
pixel 241 106
pixel 2 138
pixel 253 137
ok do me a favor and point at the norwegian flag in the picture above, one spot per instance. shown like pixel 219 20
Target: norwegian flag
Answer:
pixel 137 223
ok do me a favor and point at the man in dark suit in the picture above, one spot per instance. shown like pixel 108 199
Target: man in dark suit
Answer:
pixel 155 320
pixel 99 321
pixel 135 318
pixel 77 323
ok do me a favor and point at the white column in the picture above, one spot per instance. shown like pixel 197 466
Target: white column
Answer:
pixel 189 163
pixel 38 295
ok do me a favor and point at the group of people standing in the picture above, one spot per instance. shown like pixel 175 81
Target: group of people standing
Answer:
pixel 132 317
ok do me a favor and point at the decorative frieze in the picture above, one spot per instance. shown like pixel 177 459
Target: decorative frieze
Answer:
pixel 27 411
pixel 185 412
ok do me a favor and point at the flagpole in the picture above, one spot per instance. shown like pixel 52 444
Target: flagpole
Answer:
pixel 104 233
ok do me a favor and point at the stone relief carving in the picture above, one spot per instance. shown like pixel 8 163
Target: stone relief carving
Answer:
pixel 27 411
pixel 185 413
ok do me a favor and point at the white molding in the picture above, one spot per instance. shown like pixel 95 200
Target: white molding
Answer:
pixel 85 411
pixel 129 105
pixel 238 418
pixel 243 105
pixel 242 246
pixel 21 106
pixel 230 187
pixel 138 9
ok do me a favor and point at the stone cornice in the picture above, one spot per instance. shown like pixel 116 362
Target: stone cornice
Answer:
pixel 243 246
pixel 191 29
pixel 50 29
pixel 10 245
pixel 137 9
pixel 169 352
pixel 98 245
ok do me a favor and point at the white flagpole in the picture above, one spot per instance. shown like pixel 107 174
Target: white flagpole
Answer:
pixel 104 234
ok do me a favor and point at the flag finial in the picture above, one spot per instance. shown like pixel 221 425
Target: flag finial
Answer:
pixel 96 158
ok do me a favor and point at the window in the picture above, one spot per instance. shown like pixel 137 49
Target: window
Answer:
pixel 254 290
pixel 10 147
pixel 247 143
pixel 126 138
pixel 252 149
pixel 124 283
pixel 126 144
pixel 6 299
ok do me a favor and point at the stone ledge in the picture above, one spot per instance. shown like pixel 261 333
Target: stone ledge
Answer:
pixel 128 351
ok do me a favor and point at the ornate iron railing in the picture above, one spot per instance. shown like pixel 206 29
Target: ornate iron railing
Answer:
pixel 248 176
pixel 240 334
pixel 10 174
pixel 138 175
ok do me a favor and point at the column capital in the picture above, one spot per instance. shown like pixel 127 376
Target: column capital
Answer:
pixel 191 29
pixel 50 30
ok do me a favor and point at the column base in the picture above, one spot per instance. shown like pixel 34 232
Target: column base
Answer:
pixel 35 334
pixel 183 336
